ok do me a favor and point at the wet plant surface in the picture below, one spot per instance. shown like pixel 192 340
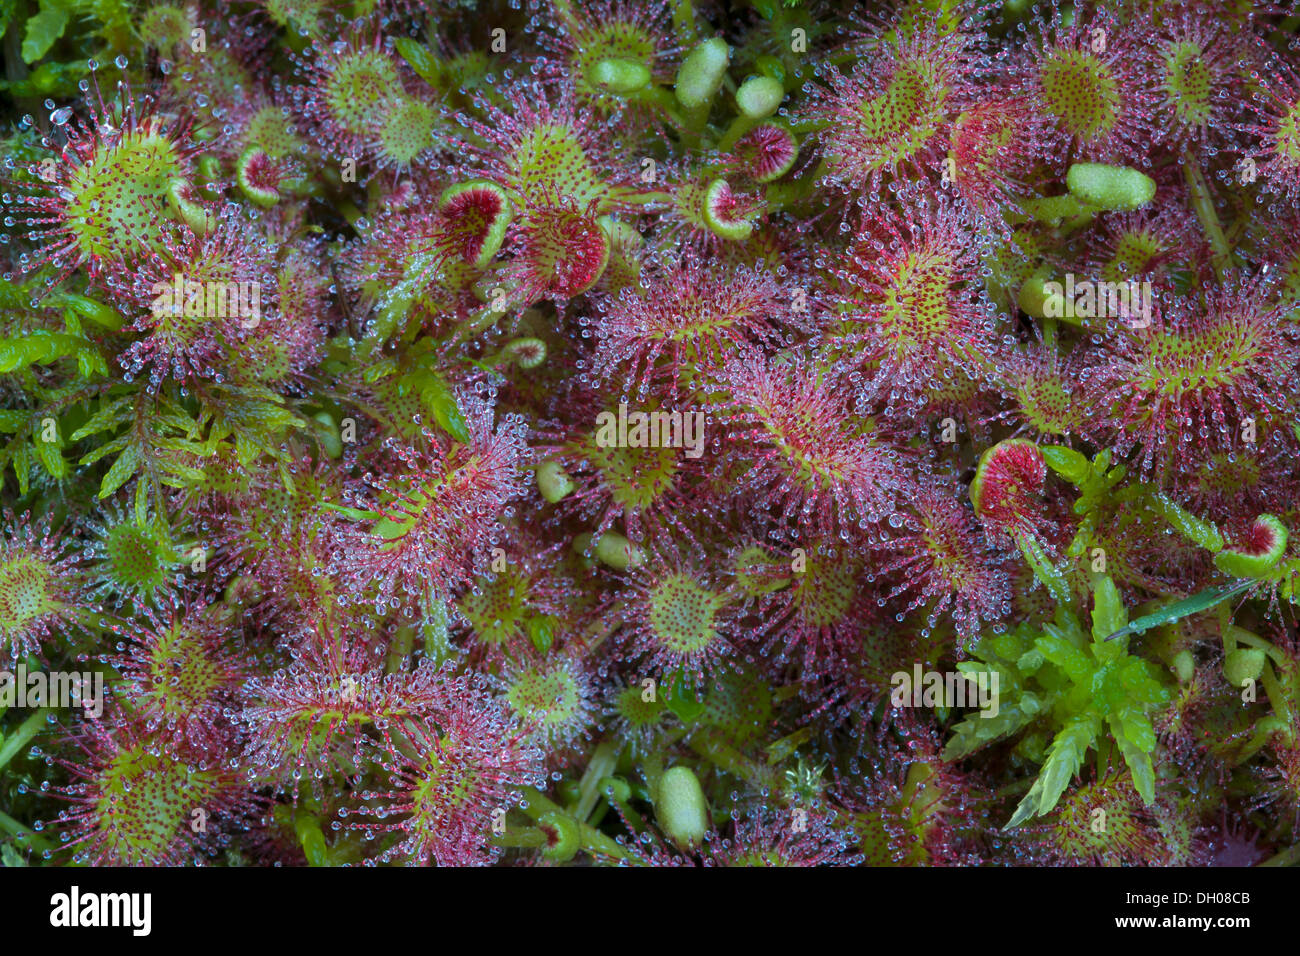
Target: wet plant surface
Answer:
pixel 617 432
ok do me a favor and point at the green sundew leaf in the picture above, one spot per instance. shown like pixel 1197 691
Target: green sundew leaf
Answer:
pixel 541 631
pixel 51 459
pixel 12 420
pixel 1067 463
pixel 975 731
pixel 1138 759
pixel 1044 569
pixel 441 403
pixel 1108 613
pixel 184 475
pixel 1063 760
pixel 1200 532
pixel 7 10
pixel 1076 664
pixel 356 514
pixel 48 79
pixel 1137 728
pixel 683 702
pixel 22 465
pixel 1184 608
pixel 108 448
pixel 120 473
pixel 141 502
pixel 44 28
pixel 424 63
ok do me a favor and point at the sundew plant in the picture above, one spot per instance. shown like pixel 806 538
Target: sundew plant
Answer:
pixel 649 433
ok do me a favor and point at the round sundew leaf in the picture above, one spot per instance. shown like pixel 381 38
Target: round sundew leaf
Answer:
pixel 114 200
pixel 477 214
pixel 26 593
pixel 498 609
pixel 163 27
pixel 548 697
pixel 138 560
pixel 1188 83
pixel 722 213
pixel 891 127
pixel 270 130
pixel 683 616
pixel 1081 93
pixel 357 88
pixel 548 164
pixel 565 839
pixel 144 804
pixel 1263 549
pixel 564 253
pixel 406 130
pixel 1007 482
pixel 258 177
pixel 193 214
pixel 768 151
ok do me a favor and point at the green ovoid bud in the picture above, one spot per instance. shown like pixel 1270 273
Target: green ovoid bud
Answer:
pixel 680 807
pixel 1110 187
pixel 619 76
pixel 553 481
pixel 616 551
pixel 759 97
pixel 701 73
pixel 1243 664
pixel 1035 298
